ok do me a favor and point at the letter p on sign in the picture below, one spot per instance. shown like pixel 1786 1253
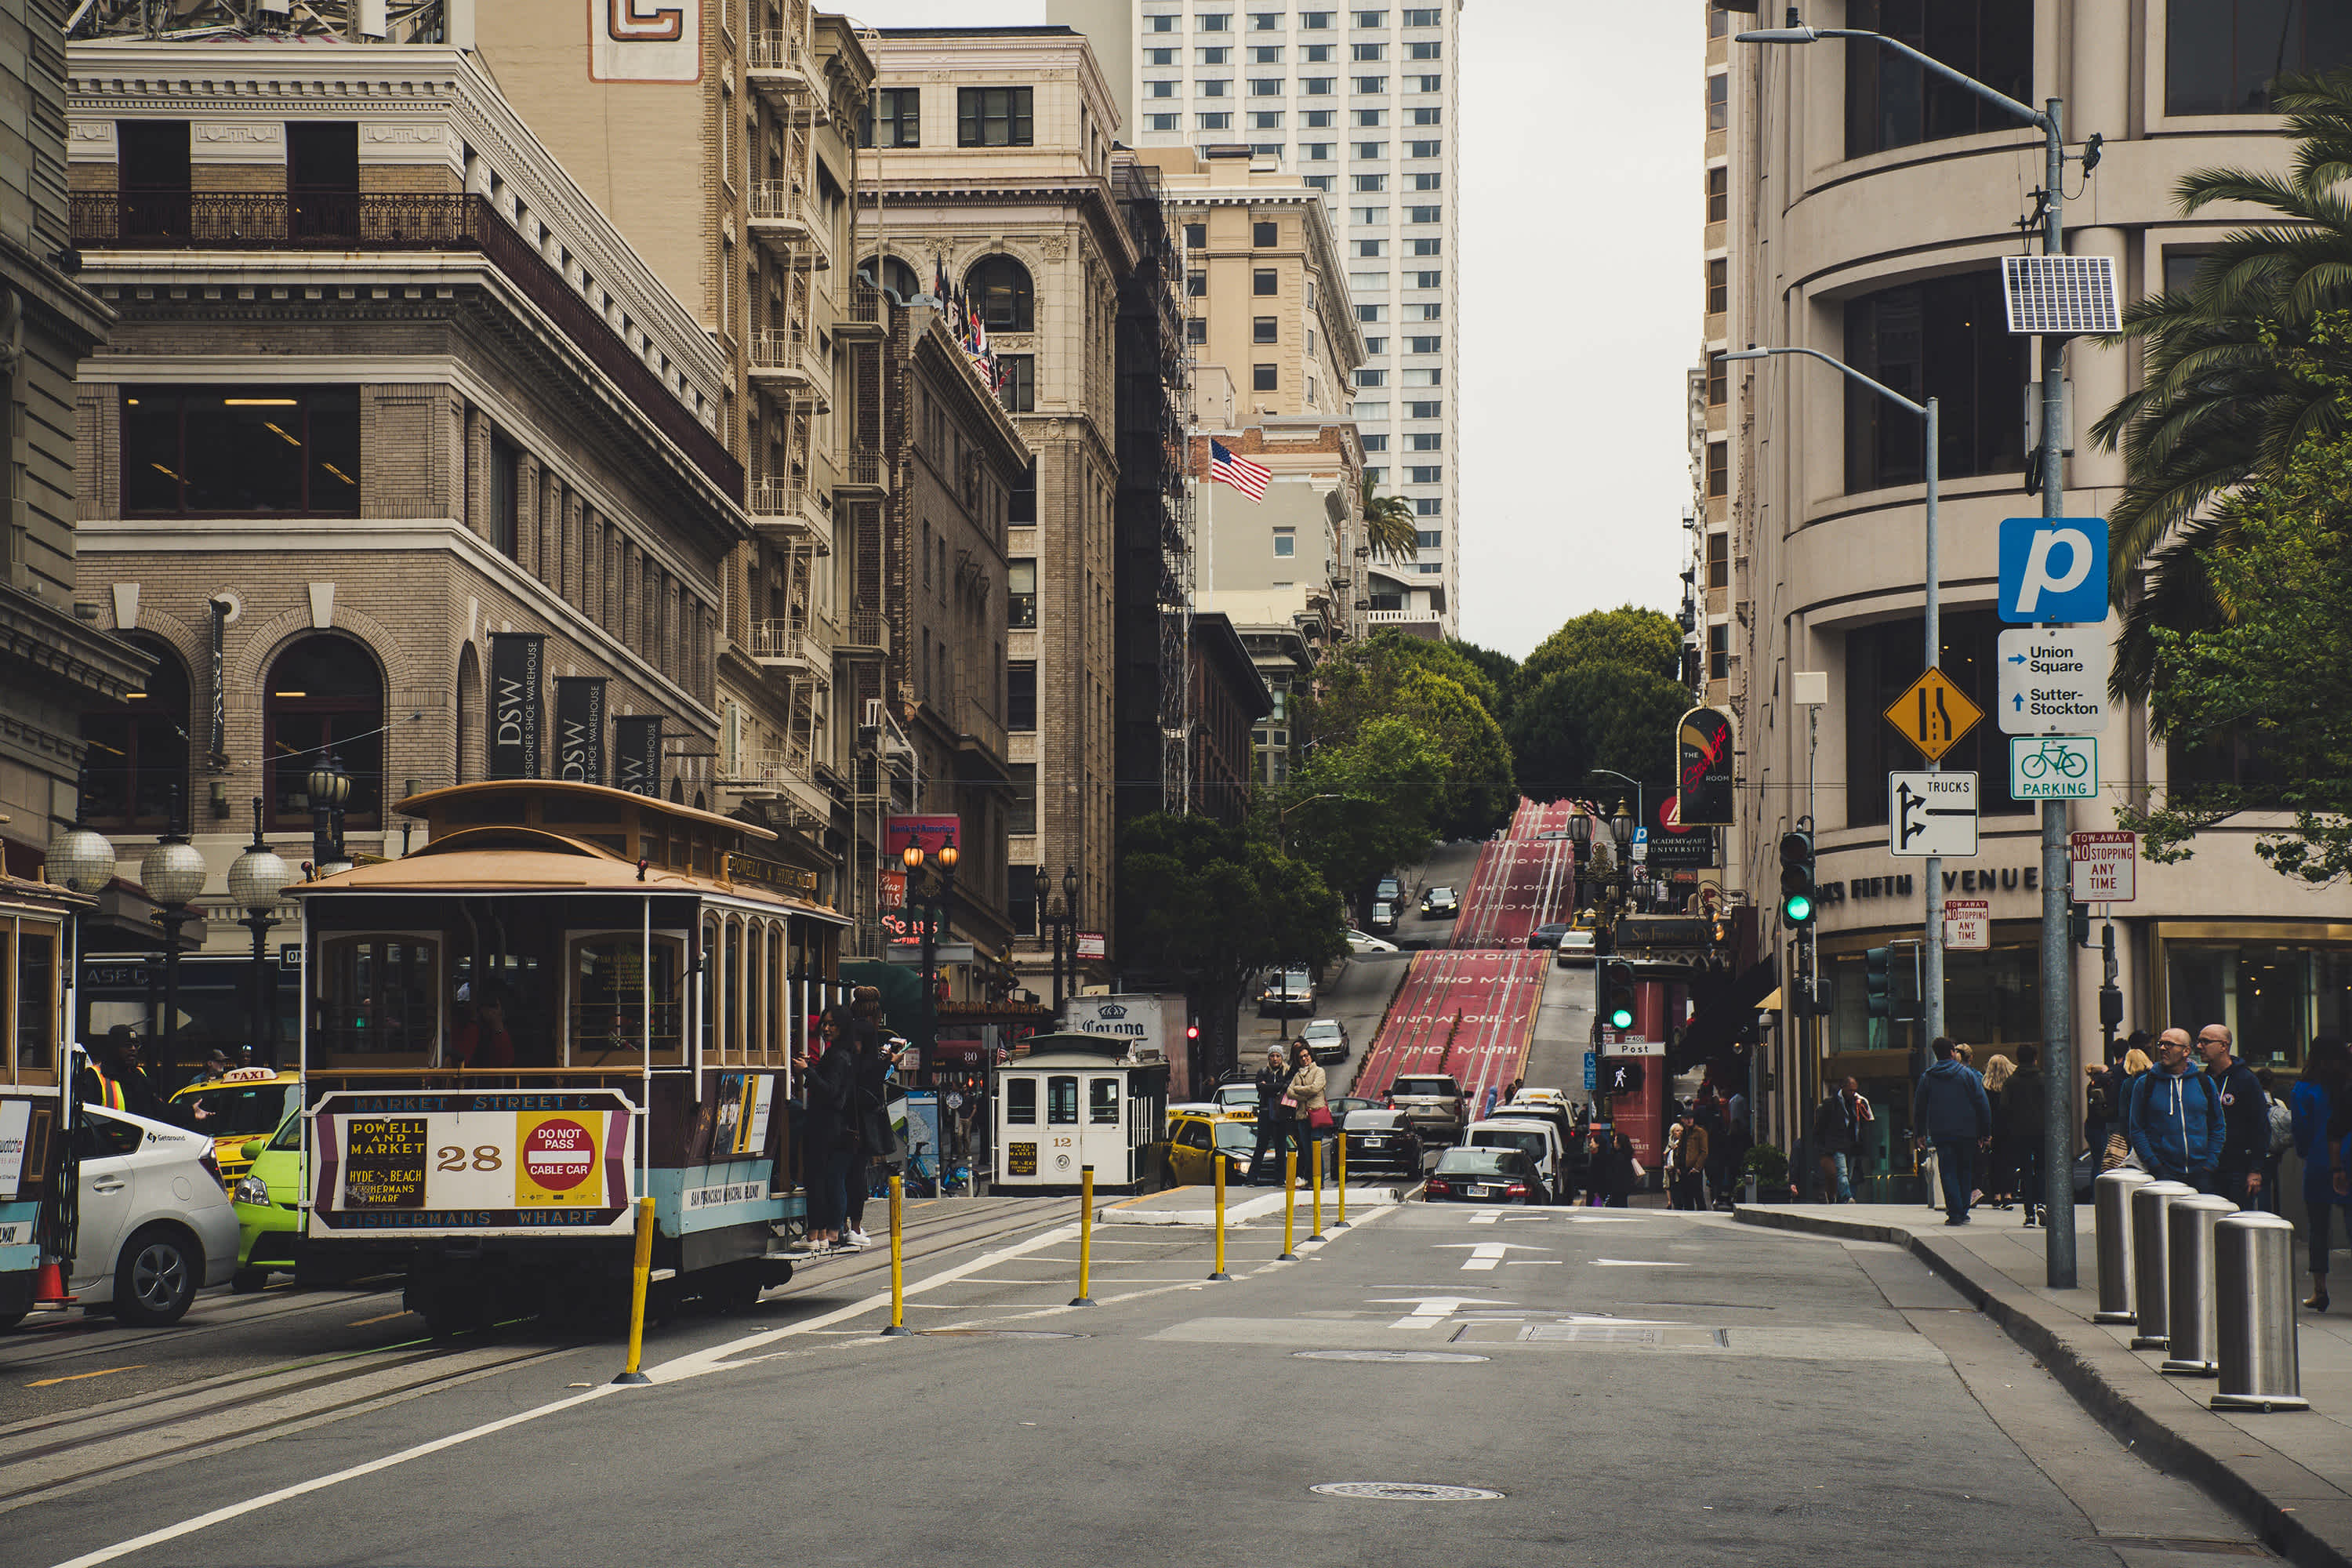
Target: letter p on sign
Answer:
pixel 2054 569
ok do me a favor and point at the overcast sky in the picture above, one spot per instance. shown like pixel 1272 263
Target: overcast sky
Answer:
pixel 1582 211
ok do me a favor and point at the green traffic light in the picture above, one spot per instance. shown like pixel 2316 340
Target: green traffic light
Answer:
pixel 1797 909
pixel 1622 1018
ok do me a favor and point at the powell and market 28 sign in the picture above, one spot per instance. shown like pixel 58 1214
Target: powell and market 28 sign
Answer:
pixel 517 659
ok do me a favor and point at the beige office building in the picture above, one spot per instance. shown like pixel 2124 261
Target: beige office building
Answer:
pixel 1855 212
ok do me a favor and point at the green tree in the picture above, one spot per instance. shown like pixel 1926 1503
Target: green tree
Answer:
pixel 2271 673
pixel 1499 667
pixel 1436 688
pixel 1390 527
pixel 1597 716
pixel 1356 809
pixel 1219 903
pixel 1629 635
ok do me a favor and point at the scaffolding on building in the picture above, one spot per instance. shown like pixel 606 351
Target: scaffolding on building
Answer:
pixel 284 21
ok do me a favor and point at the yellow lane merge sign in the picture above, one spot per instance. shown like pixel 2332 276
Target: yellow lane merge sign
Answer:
pixel 1933 714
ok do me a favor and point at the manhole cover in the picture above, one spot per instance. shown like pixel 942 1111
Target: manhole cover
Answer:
pixel 996 1334
pixel 1404 1491
pixel 1425 1357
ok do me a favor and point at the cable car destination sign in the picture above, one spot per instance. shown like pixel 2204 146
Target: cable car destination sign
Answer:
pixel 524 1163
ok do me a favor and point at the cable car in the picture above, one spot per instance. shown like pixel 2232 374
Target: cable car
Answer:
pixel 570 997
pixel 38 1171
pixel 1081 1100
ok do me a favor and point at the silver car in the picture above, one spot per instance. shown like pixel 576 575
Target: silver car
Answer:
pixel 156 1225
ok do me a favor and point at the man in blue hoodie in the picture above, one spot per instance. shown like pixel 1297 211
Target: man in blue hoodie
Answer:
pixel 2175 1119
pixel 1951 1111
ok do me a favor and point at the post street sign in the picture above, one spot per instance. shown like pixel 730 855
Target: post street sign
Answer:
pixel 1931 814
pixel 2054 680
pixel 1933 714
pixel 2102 867
pixel 2053 767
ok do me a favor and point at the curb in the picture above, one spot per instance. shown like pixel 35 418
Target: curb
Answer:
pixel 2139 1406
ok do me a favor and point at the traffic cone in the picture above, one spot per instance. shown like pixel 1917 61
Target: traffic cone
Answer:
pixel 49 1289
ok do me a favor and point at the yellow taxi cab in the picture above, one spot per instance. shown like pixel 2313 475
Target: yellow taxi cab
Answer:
pixel 242 1104
pixel 1197 1139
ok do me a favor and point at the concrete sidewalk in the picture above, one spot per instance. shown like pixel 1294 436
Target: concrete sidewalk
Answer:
pixel 1197 1205
pixel 2288 1474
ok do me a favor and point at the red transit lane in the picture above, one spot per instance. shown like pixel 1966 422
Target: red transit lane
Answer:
pixel 1469 1012
pixel 1522 880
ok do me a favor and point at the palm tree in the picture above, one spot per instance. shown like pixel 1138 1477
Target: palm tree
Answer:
pixel 2240 369
pixel 1390 526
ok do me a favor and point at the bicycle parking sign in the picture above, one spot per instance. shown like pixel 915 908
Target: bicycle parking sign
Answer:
pixel 2053 767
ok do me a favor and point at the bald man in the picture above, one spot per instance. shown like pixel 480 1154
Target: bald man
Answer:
pixel 2245 1120
pixel 2175 1117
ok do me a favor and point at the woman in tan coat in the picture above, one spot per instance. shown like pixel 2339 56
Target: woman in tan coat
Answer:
pixel 1306 1087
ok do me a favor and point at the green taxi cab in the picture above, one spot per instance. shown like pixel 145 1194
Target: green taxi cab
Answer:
pixel 1196 1141
pixel 235 1109
pixel 268 1197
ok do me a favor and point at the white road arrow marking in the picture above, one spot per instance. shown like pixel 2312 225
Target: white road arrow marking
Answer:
pixel 1428 1311
pixel 1634 1263
pixel 1483 1257
pixel 1485 1216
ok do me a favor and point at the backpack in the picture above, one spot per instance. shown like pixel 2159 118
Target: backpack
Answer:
pixel 2282 1128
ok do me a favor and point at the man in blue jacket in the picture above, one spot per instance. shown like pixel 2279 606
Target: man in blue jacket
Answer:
pixel 1952 1112
pixel 2175 1119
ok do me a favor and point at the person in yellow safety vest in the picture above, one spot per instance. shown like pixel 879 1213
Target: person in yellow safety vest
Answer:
pixel 121 1084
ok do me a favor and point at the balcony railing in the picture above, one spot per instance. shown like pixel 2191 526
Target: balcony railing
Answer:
pixel 789 352
pixel 866 305
pixel 765 769
pixel 799 640
pixel 775 203
pixel 977 723
pixel 865 631
pixel 796 509
pixel 864 469
pixel 775 49
pixel 778 201
pixel 342 221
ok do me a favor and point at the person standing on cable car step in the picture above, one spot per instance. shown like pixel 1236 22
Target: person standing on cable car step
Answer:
pixel 825 1140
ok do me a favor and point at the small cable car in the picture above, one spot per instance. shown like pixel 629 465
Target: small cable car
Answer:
pixel 1081 1100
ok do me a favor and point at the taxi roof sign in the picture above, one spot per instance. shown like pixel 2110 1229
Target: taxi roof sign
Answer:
pixel 1933 714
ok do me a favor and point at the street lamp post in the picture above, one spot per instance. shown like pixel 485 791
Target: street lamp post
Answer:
pixel 2057 972
pixel 330 787
pixel 1932 653
pixel 172 873
pixel 80 860
pixel 937 902
pixel 256 878
pixel 1640 803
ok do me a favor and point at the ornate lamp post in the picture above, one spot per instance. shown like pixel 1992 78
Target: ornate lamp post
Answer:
pixel 330 787
pixel 173 872
pixel 80 861
pixel 937 898
pixel 1059 918
pixel 256 880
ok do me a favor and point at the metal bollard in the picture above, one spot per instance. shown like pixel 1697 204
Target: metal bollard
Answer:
pixel 2150 1277
pixel 2189 1289
pixel 898 1329
pixel 2111 1221
pixel 1086 1237
pixel 2253 1257
pixel 1219 1273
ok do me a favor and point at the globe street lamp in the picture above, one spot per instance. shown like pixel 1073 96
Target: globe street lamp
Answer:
pixel 172 873
pixel 330 787
pixel 80 861
pixel 256 880
pixel 937 899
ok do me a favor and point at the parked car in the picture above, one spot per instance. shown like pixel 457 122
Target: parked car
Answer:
pixel 1288 992
pixel 1390 890
pixel 1440 904
pixel 1539 1141
pixel 1363 941
pixel 1341 1105
pixel 1237 1096
pixel 1548 935
pixel 156 1225
pixel 1465 1176
pixel 1196 1142
pixel 1574 948
pixel 1384 916
pixel 268 1206
pixel 1327 1040
pixel 1381 1141
pixel 239 1106
pixel 1432 1103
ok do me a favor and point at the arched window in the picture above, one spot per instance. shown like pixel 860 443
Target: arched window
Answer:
pixel 1000 287
pixel 469 675
pixel 324 692
pixel 897 275
pixel 139 748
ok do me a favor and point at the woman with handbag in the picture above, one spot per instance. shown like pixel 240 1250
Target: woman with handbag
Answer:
pixel 1305 1091
pixel 2314 1102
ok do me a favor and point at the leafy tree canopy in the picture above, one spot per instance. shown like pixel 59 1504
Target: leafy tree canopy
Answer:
pixel 1597 716
pixel 1629 635
pixel 1434 687
pixel 1389 782
pixel 1499 667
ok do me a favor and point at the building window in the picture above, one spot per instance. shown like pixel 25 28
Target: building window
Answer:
pixel 1718 190
pixel 1891 101
pixel 1371 313
pixel 1285 543
pixel 1219 56
pixel 1371 19
pixel 1718 101
pixel 1423 345
pixel 1021 594
pixel 324 692
pixel 1021 696
pixel 1160 122
pixel 1376 475
pixel 1221 121
pixel 1368 52
pixel 1266 330
pixel 1214 22
pixel 1718 561
pixel 1160 57
pixel 1432 115
pixel 1429 182
pixel 1371 151
pixel 1267 119
pixel 1372 84
pixel 506 498
pixel 1266 236
pixel 1420 215
pixel 1021 505
pixel 1196 236
pixel 1371 248
pixel 1161 88
pixel 1219 87
pixel 1021 815
pixel 1718 286
pixel 1317 86
pixel 1266 378
pixel 1427 247
pixel 1164 24
pixel 1718 468
pixel 1265 86
pixel 993 117
pixel 999 285
pixel 1265 54
pixel 322 177
pixel 1265 281
pixel 1424 410
pixel 2221 55
pixel 153 169
pixel 1266 21
pixel 1371 378
pixel 2235 758
pixel 1369 184
pixel 1196 285
pixel 1428 505
pixel 1945 338
pixel 1314 21
pixel 1718 380
pixel 1430 50
pixel 1196 329
pixel 1880 662
pixel 1431 538
pixel 1319 119
pixel 1422 148
pixel 1430 474
pixel 1718 651
pixel 895 120
pixel 1375 443
pixel 1427 441
pixel 1433 376
pixel 218 451
pixel 1316 152
pixel 137 748
pixel 1319 182
pixel 1016 383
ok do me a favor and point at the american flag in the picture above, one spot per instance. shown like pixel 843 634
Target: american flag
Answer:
pixel 1244 475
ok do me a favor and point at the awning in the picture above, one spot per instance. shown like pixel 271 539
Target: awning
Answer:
pixel 1724 1008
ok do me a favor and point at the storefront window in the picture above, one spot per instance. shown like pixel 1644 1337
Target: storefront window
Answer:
pixel 2272 998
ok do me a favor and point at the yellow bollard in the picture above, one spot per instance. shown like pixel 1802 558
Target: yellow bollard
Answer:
pixel 898 1329
pixel 1318 1164
pixel 1289 1202
pixel 639 1277
pixel 1085 1234
pixel 1220 1273
pixel 1342 1223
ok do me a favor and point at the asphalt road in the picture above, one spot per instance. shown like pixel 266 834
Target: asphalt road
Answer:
pixel 1634 1387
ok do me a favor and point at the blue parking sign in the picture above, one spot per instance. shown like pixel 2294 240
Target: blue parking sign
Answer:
pixel 2054 569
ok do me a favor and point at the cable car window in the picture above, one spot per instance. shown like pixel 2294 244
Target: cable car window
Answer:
pixel 608 1001
pixel 378 1001
pixel 1021 1100
pixel 1102 1102
pixel 37 1003
pixel 1061 1101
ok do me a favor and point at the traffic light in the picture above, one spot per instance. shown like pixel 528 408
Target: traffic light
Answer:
pixel 1798 895
pixel 1624 1076
pixel 1192 1032
pixel 1617 994
pixel 2078 923
pixel 1877 981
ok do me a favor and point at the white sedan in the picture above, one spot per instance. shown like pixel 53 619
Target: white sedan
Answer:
pixel 156 1225
pixel 1364 941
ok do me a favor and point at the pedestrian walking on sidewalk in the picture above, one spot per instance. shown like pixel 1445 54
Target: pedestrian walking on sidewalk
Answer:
pixel 1837 1136
pixel 1688 1167
pixel 1273 1083
pixel 2023 1104
pixel 2001 1162
pixel 2325 1083
pixel 2245 1120
pixel 1613 1171
pixel 1955 1119
pixel 2174 1116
